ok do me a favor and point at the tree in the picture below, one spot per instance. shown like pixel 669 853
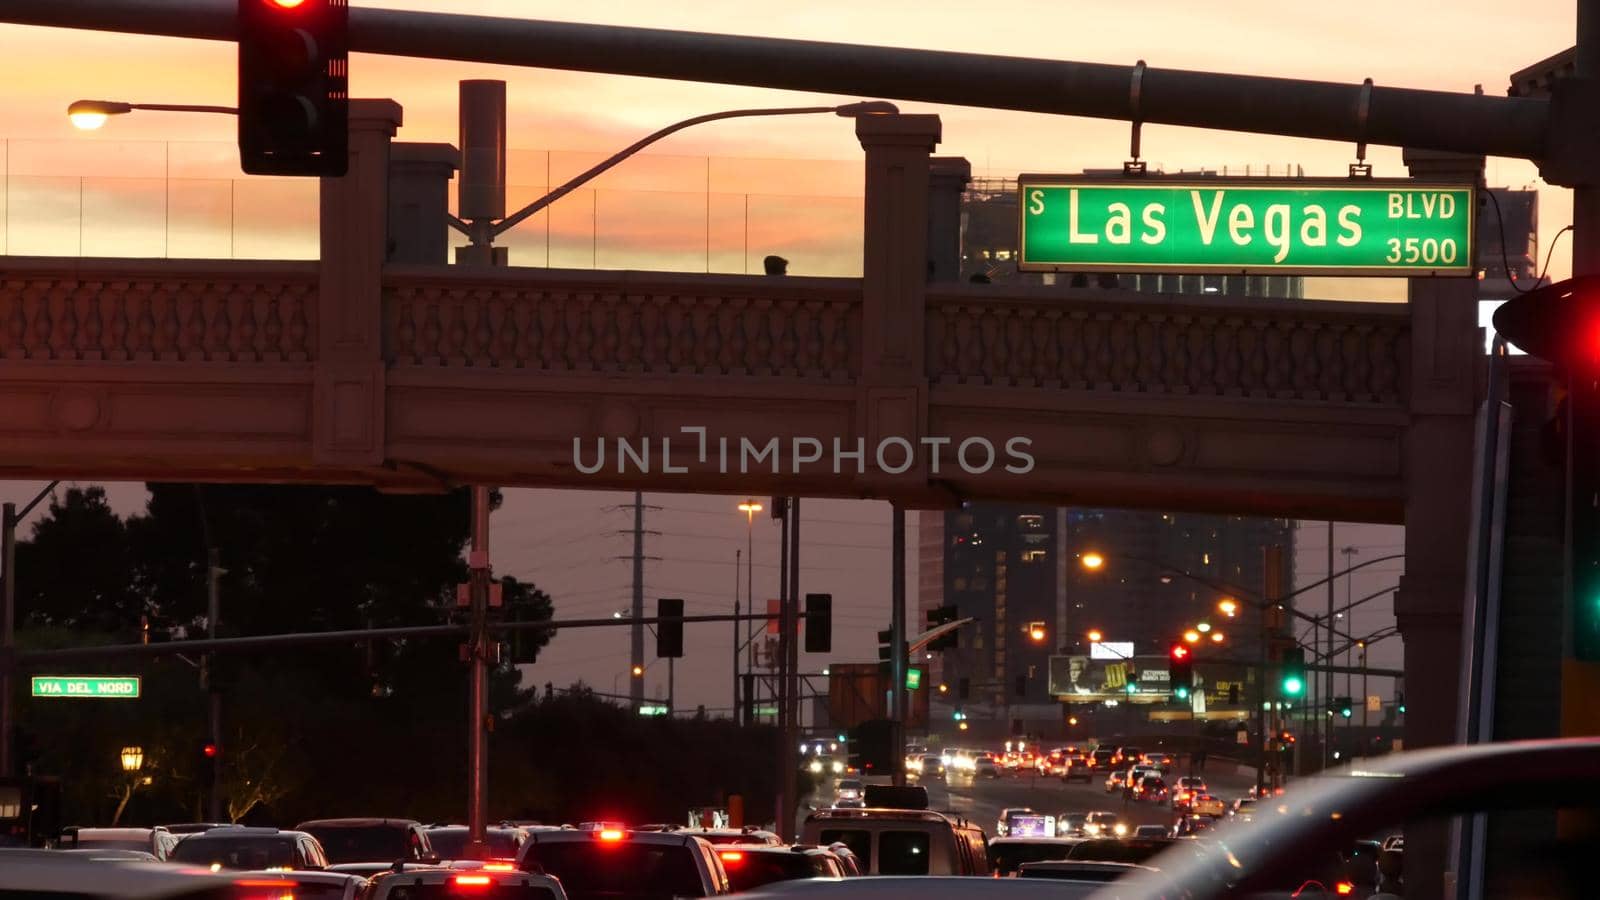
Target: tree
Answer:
pixel 76 570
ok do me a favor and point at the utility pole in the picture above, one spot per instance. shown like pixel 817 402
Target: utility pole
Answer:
pixel 1327 693
pixel 214 572
pixel 478 651
pixel 897 636
pixel 791 675
pixel 733 711
pixel 636 672
pixel 9 520
pixel 786 777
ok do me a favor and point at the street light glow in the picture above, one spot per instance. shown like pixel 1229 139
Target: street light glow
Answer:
pixel 1192 636
pixel 91 114
pixel 1216 637
pixel 750 507
pixel 1095 636
pixel 132 759
pixel 638 671
pixel 1203 627
pixel 1092 561
pixel 1228 607
pixel 1036 632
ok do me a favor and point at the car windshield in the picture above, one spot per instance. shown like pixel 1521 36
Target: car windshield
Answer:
pixel 619 869
pixel 451 843
pixel 752 870
pixel 361 843
pixel 1135 850
pixel 237 853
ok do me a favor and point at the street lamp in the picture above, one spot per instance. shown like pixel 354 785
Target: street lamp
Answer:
pixel 1036 632
pixel 1228 607
pixel 1092 561
pixel 750 507
pixel 1216 637
pixel 483 232
pixel 638 671
pixel 1191 636
pixel 1095 636
pixel 88 115
pixel 132 759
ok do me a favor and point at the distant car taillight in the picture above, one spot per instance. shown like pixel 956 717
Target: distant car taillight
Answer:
pixel 265 888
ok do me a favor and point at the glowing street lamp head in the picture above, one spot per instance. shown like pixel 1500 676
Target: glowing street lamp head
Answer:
pixel 1093 561
pixel 638 671
pixel 1191 636
pixel 1095 636
pixel 1216 637
pixel 91 114
pixel 1228 607
pixel 1203 627
pixel 750 507
pixel 1036 632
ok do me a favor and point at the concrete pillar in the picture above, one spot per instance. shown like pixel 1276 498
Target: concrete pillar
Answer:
pixel 347 426
pixel 948 177
pixel 419 201
pixel 1446 366
pixel 892 395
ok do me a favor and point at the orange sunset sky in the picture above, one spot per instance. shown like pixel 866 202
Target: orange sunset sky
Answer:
pixel 567 540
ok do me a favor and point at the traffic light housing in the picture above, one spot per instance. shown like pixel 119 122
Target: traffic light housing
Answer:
pixel 944 615
pixel 1343 706
pixel 872 747
pixel 1180 671
pixel 669 628
pixel 293 87
pixel 1560 323
pixel 819 623
pixel 1293 679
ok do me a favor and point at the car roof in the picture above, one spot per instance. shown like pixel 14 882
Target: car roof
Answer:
pixel 114 832
pixel 308 876
pixel 52 873
pixel 228 834
pixel 437 875
pixel 674 838
pixel 924 887
pixel 355 823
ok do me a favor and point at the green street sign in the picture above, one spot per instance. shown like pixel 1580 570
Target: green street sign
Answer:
pixel 652 709
pixel 1246 226
pixel 913 679
pixel 94 687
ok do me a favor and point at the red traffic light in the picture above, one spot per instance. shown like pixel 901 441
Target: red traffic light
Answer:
pixel 210 750
pixel 1559 322
pixel 285 4
pixel 1180 652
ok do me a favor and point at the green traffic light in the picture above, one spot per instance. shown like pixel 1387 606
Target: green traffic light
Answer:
pixel 1292 685
pixel 1182 692
pixel 1345 712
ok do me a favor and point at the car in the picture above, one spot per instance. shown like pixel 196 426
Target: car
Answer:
pixel 749 834
pixel 1122 850
pixel 46 874
pixel 1117 780
pixel 197 827
pixel 1152 831
pixel 849 789
pixel 1008 853
pixel 932 767
pixel 450 841
pixel 430 882
pixel 1104 825
pixel 1150 789
pixel 1128 755
pixel 901 841
pixel 110 855
pixel 985 766
pixel 751 867
pixel 610 862
pixel 305 884
pixel 849 804
pixel 1077 768
pixel 847 859
pixel 1070 824
pixel 1002 827
pixel 157 841
pixel 248 849
pixel 1207 805
pixel 1187 788
pixel 826 765
pixel 1100 759
pixel 1192 824
pixel 1243 806
pixel 1162 760
pixel 370 840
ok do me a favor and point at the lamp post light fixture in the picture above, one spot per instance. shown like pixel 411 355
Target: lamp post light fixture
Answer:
pixel 88 115
pixel 1095 636
pixel 132 759
pixel 638 671
pixel 1216 637
pixel 1092 560
pixel 1228 607
pixel 750 507
pixel 1036 632
pixel 1191 636
pixel 1203 627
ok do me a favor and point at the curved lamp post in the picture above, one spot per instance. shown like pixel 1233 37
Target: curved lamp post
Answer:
pixel 91 114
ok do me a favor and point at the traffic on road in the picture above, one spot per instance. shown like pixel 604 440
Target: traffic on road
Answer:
pixel 949 834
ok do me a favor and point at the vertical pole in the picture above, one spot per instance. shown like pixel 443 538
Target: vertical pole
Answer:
pixel 791 677
pixel 8 636
pixel 671 687
pixel 786 778
pixel 636 651
pixel 478 649
pixel 1327 656
pixel 213 611
pixel 897 636
pixel 733 711
pixel 1366 738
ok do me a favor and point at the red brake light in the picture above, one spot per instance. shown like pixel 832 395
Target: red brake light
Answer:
pixel 473 881
pixel 499 867
pixel 610 834
pixel 286 4
pixel 729 856
pixel 1344 888
pixel 277 888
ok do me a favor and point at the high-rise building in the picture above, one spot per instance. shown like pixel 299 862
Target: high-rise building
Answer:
pixel 1017 569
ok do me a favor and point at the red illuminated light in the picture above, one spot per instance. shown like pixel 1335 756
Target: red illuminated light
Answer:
pixel 211 753
pixel 1344 888
pixel 1179 651
pixel 473 881
pixel 499 867
pixel 731 856
pixel 611 834
pixel 285 4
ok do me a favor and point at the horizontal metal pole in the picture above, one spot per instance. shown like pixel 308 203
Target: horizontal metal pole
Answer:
pixel 1402 117
pixel 307 639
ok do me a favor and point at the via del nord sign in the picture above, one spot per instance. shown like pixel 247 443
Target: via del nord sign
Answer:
pixel 1246 226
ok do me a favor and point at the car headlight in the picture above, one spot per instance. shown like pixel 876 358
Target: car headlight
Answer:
pixel 816 765
pixel 1120 829
pixel 838 767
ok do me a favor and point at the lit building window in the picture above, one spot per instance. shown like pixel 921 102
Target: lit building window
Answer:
pixel 1205 559
pixel 1030 522
pixel 1033 556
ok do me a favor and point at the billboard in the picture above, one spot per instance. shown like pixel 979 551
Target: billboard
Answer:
pixel 1085 678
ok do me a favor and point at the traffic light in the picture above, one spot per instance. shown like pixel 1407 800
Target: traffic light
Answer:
pixel 1343 706
pixel 944 615
pixel 1400 701
pixel 669 628
pixel 293 90
pixel 208 755
pixel 1293 680
pixel 1560 323
pixel 819 623
pixel 872 747
pixel 1180 671
pixel 885 656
